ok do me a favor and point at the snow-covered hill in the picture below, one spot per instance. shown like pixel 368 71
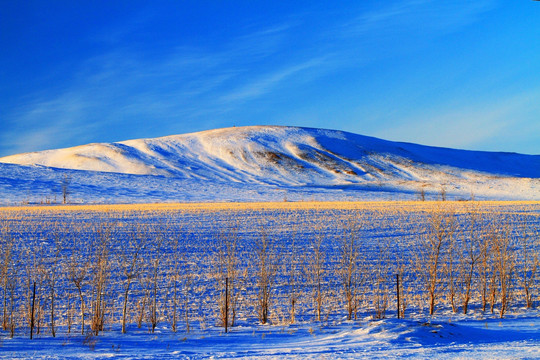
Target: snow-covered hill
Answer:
pixel 307 161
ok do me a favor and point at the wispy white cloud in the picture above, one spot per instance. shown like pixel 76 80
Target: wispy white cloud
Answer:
pixel 426 16
pixel 261 85
pixel 123 87
pixel 46 124
pixel 482 124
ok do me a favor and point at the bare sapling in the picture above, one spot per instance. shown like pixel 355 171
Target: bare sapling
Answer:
pixel 266 264
pixel 403 269
pixel 11 286
pixel 52 273
pixel 180 278
pixel 452 272
pixel 155 277
pixel 32 311
pixel 470 256
pixel 6 251
pixel 142 301
pixel 78 266
pixel 422 193
pixel 405 291
pixel 66 187
pixel 69 312
pixel 505 261
pixel 528 261
pixel 130 264
pixel 291 270
pixel 315 269
pixel 429 257
pixel 380 280
pixel 189 274
pixel 348 265
pixel 443 193
pixel 100 272
pixel 228 267
pixel 486 271
pixel 174 278
pixel 34 270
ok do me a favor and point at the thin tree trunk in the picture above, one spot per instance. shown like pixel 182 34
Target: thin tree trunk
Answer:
pixel 32 312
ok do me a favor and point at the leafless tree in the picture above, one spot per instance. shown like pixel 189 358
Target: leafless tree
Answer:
pixel 379 280
pixel 486 271
pixel 528 260
pixel 35 276
pixel 291 270
pixel 422 193
pixel 100 272
pixel 504 258
pixel 6 252
pixel 452 272
pixel 348 266
pixel 174 264
pixel 78 265
pixel 189 278
pixel 315 269
pixel 441 228
pixel 130 264
pixel 228 267
pixel 12 285
pixel 470 253
pixel 266 265
pixel 155 276
pixel 443 193
pixel 52 272
pixel 66 190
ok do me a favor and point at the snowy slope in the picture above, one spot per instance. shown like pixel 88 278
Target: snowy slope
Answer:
pixel 302 158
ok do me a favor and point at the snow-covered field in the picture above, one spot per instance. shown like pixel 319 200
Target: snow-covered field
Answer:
pixel 265 163
pixel 189 249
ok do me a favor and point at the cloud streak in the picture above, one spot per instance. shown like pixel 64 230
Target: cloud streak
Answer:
pixel 425 16
pixel 112 90
pixel 469 127
pixel 269 82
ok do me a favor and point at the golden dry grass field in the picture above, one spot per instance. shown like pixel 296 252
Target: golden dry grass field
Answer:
pixel 531 207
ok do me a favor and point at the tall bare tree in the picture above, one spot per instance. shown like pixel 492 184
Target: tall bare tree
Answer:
pixel 429 256
pixel 6 253
pixel 266 263
pixel 100 272
pixel 155 275
pixel 291 270
pixel 66 187
pixel 505 261
pixel 469 255
pixel 529 243
pixel 315 268
pixel 228 267
pixel 78 266
pixel 131 264
pixel 348 266
pixel 52 271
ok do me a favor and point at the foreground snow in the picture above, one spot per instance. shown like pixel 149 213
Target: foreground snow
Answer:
pixel 450 337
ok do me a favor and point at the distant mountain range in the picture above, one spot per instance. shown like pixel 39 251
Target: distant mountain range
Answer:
pixel 267 163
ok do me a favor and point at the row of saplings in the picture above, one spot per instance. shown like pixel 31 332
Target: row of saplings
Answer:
pixel 155 275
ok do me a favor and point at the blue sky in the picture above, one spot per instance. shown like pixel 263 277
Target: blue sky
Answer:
pixel 462 74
